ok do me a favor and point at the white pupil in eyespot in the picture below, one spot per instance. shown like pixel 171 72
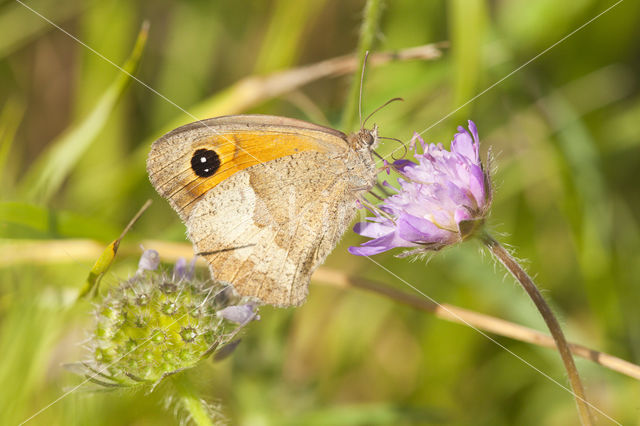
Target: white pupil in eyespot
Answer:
pixel 203 159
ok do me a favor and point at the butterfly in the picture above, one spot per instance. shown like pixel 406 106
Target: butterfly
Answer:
pixel 265 199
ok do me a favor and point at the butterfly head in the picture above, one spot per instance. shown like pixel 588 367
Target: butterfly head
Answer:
pixel 364 139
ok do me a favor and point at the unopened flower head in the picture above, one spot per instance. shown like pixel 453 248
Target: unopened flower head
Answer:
pixel 444 196
pixel 157 323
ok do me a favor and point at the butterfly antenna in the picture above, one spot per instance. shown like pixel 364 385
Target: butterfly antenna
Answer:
pixel 404 146
pixel 378 155
pixel 364 64
pixel 379 108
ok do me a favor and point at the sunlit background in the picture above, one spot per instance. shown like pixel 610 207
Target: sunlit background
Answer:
pixel 75 131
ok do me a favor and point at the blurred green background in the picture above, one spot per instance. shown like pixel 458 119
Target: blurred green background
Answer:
pixel 74 133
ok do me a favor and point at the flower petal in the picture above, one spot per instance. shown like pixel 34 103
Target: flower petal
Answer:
pixel 474 131
pixel 149 261
pixel 367 251
pixel 462 144
pixel 421 231
pixel 477 186
pixel 380 245
pixel 461 215
pixel 372 229
pixel 238 314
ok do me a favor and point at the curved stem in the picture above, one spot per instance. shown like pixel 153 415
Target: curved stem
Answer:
pixel 339 279
pixel 552 323
pixel 192 403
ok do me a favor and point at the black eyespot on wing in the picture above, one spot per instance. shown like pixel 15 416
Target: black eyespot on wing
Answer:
pixel 205 162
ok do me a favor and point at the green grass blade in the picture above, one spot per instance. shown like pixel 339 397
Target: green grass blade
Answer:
pixel 368 32
pixel 20 25
pixel 107 257
pixel 467 37
pixel 9 121
pixel 27 221
pixel 48 172
pixel 285 35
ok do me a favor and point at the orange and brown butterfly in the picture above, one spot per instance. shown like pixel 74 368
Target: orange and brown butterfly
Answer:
pixel 265 199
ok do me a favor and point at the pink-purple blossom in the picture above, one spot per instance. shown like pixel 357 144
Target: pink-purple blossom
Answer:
pixel 239 314
pixel 442 198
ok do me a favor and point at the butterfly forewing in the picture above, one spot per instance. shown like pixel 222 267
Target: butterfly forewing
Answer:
pixel 265 199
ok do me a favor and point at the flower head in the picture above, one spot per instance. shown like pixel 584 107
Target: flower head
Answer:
pixel 157 323
pixel 443 197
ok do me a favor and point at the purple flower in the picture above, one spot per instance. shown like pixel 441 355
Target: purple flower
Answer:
pixel 183 270
pixel 442 199
pixel 149 261
pixel 239 314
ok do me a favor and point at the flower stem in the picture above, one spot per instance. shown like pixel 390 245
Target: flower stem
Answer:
pixel 188 397
pixel 338 279
pixel 552 323
pixel 368 32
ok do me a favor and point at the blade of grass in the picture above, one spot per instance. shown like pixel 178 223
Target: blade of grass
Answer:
pixel 28 335
pixel 20 26
pixel 184 87
pixel 106 258
pixel 281 43
pixel 467 28
pixel 368 32
pixel 588 204
pixel 110 146
pixel 9 121
pixel 253 90
pixel 48 172
pixel 27 221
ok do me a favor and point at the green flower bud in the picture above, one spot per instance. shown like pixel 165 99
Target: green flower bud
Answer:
pixel 156 323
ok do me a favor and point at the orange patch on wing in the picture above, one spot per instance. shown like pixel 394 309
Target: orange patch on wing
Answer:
pixel 239 150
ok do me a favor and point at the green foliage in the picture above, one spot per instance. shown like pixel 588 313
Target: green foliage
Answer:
pixel 74 132
pixel 47 173
pixel 368 35
pixel 26 221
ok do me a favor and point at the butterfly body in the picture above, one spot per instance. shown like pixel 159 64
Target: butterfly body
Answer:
pixel 265 199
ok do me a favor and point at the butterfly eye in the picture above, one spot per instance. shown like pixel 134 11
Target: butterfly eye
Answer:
pixel 205 162
pixel 369 139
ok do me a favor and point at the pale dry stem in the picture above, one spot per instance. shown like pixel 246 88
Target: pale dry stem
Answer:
pixel 69 250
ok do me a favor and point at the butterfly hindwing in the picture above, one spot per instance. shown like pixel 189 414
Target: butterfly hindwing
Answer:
pixel 280 229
